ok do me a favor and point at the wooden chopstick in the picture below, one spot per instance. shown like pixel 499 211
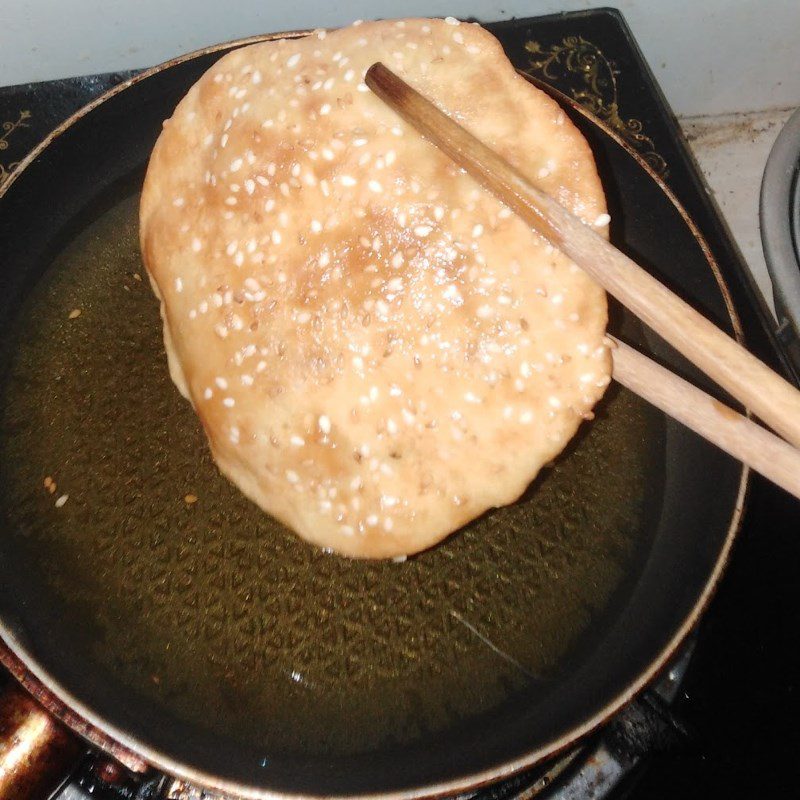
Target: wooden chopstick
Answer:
pixel 734 433
pixel 741 374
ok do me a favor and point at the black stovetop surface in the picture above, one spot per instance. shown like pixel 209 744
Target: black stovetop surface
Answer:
pixel 740 701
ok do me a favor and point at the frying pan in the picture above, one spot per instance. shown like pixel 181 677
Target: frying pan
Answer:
pixel 202 639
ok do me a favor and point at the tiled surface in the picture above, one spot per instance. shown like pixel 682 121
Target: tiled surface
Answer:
pixel 732 151
pixel 709 57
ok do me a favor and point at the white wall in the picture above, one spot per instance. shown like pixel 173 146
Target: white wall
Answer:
pixel 709 55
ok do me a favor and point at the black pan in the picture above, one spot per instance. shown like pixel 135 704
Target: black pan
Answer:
pixel 207 641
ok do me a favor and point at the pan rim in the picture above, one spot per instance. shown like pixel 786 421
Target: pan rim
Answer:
pixel 139 756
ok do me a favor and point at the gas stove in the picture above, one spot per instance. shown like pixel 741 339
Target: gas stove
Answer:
pixel 594 769
pixel 722 718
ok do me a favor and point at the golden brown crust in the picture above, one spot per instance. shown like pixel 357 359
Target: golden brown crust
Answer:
pixel 378 350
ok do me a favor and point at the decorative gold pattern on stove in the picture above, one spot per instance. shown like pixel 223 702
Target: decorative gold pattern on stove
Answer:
pixel 596 89
pixel 8 128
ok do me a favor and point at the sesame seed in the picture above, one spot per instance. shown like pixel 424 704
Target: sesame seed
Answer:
pixel 292 476
pixel 324 424
pixel 451 21
pixel 347 180
pixel 451 293
pixel 197 245
pixel 178 284
pixel 602 220
pixel 477 231
pixel 325 109
pixel 297 441
pixel 422 230
pixel 292 61
pixel 375 186
pixel 61 501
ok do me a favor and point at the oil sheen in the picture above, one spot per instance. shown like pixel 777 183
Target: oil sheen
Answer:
pixel 216 614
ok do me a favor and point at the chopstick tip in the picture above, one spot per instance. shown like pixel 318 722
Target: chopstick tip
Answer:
pixel 374 74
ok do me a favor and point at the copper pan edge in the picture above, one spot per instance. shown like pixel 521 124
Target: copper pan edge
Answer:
pixel 138 757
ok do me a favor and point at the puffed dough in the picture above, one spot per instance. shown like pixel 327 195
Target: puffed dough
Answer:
pixel 378 350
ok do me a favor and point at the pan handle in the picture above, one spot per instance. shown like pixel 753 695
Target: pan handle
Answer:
pixel 36 751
